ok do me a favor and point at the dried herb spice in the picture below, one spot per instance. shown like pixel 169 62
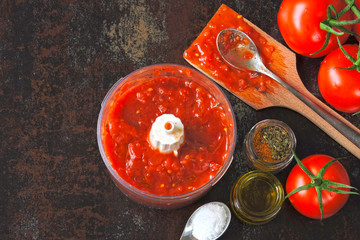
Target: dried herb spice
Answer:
pixel 272 143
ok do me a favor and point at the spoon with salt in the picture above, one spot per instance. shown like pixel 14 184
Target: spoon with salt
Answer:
pixel 208 222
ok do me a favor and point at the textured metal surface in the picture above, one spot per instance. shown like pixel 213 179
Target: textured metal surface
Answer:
pixel 58 60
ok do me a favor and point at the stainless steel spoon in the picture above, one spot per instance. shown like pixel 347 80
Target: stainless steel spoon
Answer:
pixel 234 55
pixel 189 227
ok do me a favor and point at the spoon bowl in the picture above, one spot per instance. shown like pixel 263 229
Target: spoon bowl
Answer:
pixel 239 51
pixel 233 43
pixel 190 226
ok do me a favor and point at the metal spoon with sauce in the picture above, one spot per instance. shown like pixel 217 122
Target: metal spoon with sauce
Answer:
pixel 237 55
pixel 189 227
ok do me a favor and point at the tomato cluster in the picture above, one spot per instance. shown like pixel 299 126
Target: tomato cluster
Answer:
pixel 299 23
pixel 318 186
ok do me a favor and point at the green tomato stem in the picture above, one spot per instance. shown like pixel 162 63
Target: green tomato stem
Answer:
pixel 325 43
pixel 347 55
pixel 328 13
pixel 336 184
pixel 347 8
pixel 317 182
pixel 336 190
pixel 302 166
pixel 353 8
pixel 318 191
pixel 304 187
pixel 335 23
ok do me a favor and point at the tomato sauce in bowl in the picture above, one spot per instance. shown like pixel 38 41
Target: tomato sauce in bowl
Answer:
pixel 128 112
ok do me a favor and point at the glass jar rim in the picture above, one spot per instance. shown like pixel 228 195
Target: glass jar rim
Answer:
pixel 248 215
pixel 254 158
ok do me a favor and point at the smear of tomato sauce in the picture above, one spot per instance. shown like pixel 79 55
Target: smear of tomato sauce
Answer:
pixel 126 129
pixel 204 54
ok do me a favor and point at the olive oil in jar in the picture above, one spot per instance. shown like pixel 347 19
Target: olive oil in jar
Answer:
pixel 256 197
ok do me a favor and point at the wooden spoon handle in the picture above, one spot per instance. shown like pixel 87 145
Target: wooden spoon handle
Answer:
pixel 330 122
pixel 344 127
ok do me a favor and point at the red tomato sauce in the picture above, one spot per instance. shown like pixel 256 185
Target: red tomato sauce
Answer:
pixel 203 153
pixel 204 54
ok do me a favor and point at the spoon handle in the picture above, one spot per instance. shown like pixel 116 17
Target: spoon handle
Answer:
pixel 329 119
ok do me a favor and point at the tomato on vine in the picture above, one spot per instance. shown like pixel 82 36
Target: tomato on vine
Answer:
pixel 340 87
pixel 318 186
pixel 299 24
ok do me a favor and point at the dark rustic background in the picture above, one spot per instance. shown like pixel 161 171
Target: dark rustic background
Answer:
pixel 59 59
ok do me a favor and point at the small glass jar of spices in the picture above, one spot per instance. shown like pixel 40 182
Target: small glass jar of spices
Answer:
pixel 269 145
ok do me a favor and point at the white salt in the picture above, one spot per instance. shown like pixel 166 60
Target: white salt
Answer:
pixel 209 221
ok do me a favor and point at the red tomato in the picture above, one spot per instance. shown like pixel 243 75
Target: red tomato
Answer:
pixel 306 201
pixel 339 87
pixel 299 24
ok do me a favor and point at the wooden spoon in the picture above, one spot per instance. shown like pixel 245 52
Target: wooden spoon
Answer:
pixel 284 66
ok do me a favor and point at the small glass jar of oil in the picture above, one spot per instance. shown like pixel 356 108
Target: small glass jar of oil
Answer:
pixel 269 145
pixel 257 197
